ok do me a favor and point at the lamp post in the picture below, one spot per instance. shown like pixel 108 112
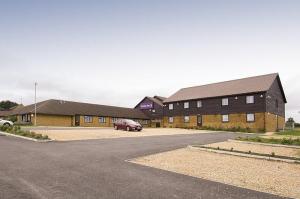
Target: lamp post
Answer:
pixel 35 84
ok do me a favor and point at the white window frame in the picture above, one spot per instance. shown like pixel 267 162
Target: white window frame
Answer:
pixel 252 119
pixel 199 103
pixel 225 100
pixel 88 119
pixel 186 119
pixel 224 119
pixel 186 105
pixel 114 119
pixel 250 99
pixel 171 106
pixel 171 119
pixel 102 119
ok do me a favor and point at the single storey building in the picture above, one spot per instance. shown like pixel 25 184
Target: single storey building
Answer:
pixel 257 103
pixel 67 113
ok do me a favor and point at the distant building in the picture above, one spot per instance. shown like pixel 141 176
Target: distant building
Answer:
pixel 257 103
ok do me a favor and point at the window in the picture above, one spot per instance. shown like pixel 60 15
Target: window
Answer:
pixel 101 119
pixel 199 103
pixel 170 106
pixel 250 117
pixel 26 118
pixel 224 101
pixel 225 118
pixel 250 99
pixel 186 119
pixel 171 119
pixel 88 119
pixel 186 104
pixel 114 119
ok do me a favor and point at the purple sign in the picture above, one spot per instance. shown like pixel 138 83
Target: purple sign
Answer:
pixel 146 105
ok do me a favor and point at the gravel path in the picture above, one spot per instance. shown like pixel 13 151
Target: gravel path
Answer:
pixel 86 134
pixel 262 175
pixel 257 148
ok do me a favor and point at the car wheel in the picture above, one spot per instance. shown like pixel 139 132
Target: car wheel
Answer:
pixel 6 125
pixel 127 128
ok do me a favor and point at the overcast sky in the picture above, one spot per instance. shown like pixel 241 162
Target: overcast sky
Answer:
pixel 117 52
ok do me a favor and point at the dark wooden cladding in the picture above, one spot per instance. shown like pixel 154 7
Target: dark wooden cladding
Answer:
pixel 149 112
pixel 275 94
pixel 214 106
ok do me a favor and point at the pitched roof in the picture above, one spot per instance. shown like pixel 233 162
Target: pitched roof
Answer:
pixel 233 87
pixel 11 111
pixel 61 107
pixel 156 99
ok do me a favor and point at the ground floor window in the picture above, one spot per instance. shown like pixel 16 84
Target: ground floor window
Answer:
pixel 114 119
pixel 88 119
pixel 225 118
pixel 186 119
pixel 250 117
pixel 101 119
pixel 171 119
pixel 26 118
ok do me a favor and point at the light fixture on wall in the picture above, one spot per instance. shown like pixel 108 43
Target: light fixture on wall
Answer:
pixel 261 95
pixel 236 97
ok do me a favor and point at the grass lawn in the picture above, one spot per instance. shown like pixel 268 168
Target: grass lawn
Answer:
pixel 295 132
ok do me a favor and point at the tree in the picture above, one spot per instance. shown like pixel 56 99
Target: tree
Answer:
pixel 6 105
pixel 291 120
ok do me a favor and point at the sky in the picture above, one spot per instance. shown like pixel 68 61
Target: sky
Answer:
pixel 117 52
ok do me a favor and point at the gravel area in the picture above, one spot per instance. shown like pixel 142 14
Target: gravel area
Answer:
pixel 261 175
pixel 102 133
pixel 253 147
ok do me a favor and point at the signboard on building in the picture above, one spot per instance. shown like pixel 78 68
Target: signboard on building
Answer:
pixel 146 105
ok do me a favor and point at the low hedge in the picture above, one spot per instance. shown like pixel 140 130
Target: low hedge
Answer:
pixel 284 141
pixel 16 130
pixel 234 129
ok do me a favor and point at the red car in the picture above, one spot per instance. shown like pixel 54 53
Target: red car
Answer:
pixel 127 125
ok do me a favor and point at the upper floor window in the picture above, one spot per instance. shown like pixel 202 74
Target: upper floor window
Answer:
pixel 225 118
pixel 171 107
pixel 224 101
pixel 186 119
pixel 101 119
pixel 186 104
pixel 250 117
pixel 171 119
pixel 199 103
pixel 250 99
pixel 88 119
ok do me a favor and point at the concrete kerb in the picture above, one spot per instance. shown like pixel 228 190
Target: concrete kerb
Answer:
pixel 265 144
pixel 243 155
pixel 25 138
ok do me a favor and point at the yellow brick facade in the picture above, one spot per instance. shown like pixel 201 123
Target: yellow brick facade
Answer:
pixel 52 120
pixel 263 121
pixel 274 122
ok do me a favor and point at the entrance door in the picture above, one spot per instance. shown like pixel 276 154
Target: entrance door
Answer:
pixel 157 124
pixel 77 120
pixel 199 120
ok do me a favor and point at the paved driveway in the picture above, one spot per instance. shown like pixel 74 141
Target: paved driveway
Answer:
pixel 96 169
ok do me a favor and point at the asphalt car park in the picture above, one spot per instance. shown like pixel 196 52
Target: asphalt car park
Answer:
pixel 98 169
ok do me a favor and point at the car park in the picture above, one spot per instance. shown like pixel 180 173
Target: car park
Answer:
pixel 6 123
pixel 127 125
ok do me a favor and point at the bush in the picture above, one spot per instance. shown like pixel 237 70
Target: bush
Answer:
pixel 18 131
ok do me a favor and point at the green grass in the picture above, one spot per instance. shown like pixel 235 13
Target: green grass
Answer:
pixel 16 130
pixel 295 132
pixel 284 141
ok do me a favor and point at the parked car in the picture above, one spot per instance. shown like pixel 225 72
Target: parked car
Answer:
pixel 6 123
pixel 128 125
